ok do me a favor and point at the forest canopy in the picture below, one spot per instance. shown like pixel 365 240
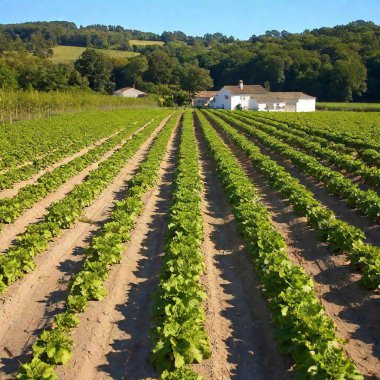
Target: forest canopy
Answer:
pixel 336 64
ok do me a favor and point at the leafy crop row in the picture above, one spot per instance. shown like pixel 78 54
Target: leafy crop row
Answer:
pixel 179 334
pixel 343 161
pixel 26 170
pixel 11 208
pixel 19 259
pixel 29 141
pixel 303 329
pixel 117 123
pixel 331 131
pixel 341 236
pixel 54 345
pixel 366 201
pixel 324 142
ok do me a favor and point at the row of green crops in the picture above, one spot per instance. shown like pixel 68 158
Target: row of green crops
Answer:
pixel 179 334
pixel 346 162
pixel 340 235
pixel 43 142
pixel 303 329
pixel 54 345
pixel 366 201
pixel 354 130
pixel 11 208
pixel 19 258
pixel 18 104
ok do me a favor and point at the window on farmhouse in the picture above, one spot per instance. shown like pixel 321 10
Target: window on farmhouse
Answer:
pixel 226 96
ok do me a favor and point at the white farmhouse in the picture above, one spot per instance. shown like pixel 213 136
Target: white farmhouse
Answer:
pixel 129 92
pixel 229 97
pixel 257 98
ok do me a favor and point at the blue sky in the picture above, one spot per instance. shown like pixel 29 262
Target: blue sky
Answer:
pixel 241 18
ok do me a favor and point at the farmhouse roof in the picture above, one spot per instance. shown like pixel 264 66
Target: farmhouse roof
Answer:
pixel 247 89
pixel 121 90
pixel 205 94
pixel 291 95
pixel 266 98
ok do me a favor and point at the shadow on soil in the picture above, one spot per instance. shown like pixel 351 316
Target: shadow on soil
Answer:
pixel 129 358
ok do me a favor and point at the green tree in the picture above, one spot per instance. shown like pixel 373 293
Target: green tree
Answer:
pixel 161 67
pixel 97 68
pixel 7 77
pixel 348 79
pixel 133 71
pixel 196 79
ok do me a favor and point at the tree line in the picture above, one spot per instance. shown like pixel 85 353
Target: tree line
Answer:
pixel 336 64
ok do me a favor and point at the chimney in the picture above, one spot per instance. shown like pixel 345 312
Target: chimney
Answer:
pixel 241 85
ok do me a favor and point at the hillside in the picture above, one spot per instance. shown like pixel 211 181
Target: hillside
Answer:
pixel 68 54
pixel 334 64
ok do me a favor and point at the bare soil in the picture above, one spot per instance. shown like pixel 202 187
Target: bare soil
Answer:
pixel 354 310
pixel 112 340
pixel 29 305
pixel 335 204
pixel 9 232
pixel 6 193
pixel 238 321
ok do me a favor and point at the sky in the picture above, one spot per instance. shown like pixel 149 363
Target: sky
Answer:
pixel 240 18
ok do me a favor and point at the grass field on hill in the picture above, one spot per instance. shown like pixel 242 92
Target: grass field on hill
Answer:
pixel 67 54
pixel 145 43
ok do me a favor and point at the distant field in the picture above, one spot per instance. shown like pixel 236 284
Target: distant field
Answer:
pixel 66 54
pixel 145 43
pixel 365 107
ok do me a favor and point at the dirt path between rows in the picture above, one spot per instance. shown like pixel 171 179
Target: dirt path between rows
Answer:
pixel 19 185
pixel 112 340
pixel 238 321
pixel 354 310
pixel 9 232
pixel 335 204
pixel 29 304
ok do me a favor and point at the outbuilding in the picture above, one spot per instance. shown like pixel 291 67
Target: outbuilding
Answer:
pixel 129 92
pixel 203 99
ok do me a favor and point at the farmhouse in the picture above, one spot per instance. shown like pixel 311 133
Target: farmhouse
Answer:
pixel 257 98
pixel 129 92
pixel 203 99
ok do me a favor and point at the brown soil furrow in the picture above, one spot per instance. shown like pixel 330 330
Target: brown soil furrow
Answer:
pixel 354 310
pixel 112 340
pixel 19 185
pixel 29 304
pixel 238 321
pixel 18 166
pixel 9 232
pixel 335 204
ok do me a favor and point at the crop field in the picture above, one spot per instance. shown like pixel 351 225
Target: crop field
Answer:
pixel 180 244
pixel 67 54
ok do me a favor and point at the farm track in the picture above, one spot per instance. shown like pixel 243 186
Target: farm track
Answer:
pixel 287 152
pixel 29 304
pixel 19 185
pixel 354 310
pixel 355 177
pixel 238 321
pixel 335 204
pixel 112 339
pixel 9 232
